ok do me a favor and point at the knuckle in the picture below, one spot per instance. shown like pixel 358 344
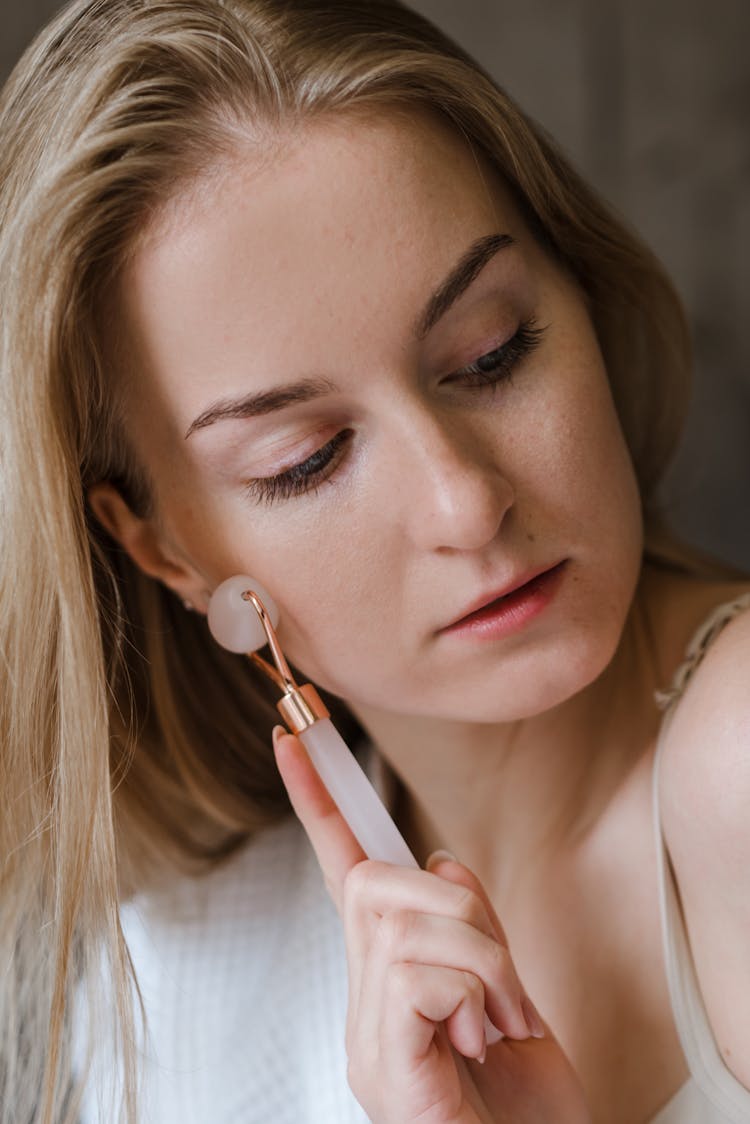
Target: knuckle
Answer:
pixel 401 982
pixel 469 907
pixel 395 929
pixel 474 989
pixel 357 881
pixel 501 968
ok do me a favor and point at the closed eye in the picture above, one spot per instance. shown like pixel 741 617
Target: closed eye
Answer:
pixel 499 364
pixel 300 477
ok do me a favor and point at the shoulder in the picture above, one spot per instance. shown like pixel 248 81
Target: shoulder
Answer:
pixel 706 755
pixel 705 808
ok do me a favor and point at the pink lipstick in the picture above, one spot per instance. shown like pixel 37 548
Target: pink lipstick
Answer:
pixel 508 612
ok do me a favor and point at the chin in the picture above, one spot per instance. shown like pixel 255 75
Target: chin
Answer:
pixel 528 684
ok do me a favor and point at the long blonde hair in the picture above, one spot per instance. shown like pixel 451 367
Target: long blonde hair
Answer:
pixel 126 734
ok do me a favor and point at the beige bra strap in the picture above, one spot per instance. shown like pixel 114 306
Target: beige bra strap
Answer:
pixel 699 645
pixel 706 1064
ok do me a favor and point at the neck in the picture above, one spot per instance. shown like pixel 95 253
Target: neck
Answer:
pixel 504 798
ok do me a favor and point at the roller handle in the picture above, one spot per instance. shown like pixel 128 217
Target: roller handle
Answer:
pixel 361 807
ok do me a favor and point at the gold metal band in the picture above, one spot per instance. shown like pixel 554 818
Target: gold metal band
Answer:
pixel 301 707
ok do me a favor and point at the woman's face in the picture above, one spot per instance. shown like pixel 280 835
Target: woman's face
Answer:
pixel 306 383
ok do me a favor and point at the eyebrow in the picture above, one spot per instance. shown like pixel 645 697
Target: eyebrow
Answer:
pixel 458 280
pixel 265 402
pixel 447 293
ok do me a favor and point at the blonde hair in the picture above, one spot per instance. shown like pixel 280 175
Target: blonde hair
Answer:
pixel 122 725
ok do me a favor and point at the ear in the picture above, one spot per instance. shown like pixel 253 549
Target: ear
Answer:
pixel 148 546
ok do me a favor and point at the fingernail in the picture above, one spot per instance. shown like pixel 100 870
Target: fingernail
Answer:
pixel 277 732
pixel 440 857
pixel 483 1054
pixel 533 1019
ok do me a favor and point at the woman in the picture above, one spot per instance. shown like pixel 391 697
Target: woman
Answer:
pixel 293 289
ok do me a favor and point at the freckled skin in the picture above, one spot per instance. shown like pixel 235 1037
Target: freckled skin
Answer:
pixel 316 264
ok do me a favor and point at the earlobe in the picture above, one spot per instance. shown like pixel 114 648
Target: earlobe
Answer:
pixel 144 542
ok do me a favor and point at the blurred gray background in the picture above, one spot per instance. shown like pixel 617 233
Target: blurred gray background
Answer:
pixel 650 98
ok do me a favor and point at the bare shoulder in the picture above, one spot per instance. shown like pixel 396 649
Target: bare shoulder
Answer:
pixel 706 756
pixel 705 806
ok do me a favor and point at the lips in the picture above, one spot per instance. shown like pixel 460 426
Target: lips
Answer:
pixel 515 591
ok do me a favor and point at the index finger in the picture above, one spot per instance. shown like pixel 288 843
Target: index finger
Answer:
pixel 331 837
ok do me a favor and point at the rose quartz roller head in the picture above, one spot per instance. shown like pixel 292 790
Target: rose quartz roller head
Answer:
pixel 231 624
pixel 242 617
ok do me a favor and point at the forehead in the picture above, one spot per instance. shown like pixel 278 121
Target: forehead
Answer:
pixel 333 183
pixel 284 260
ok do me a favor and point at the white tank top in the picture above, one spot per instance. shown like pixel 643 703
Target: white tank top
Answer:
pixel 712 1094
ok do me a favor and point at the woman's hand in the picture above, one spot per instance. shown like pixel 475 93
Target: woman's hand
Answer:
pixel 427 957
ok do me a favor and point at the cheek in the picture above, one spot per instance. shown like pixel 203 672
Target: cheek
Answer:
pixel 603 502
pixel 343 602
pixel 582 468
pixel 580 493
pixel 334 591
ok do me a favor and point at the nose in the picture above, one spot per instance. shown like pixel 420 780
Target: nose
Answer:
pixel 456 494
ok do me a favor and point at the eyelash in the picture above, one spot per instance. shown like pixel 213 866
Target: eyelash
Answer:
pixel 497 366
pixel 300 478
pixel 488 370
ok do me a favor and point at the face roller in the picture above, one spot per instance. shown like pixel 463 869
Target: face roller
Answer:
pixel 241 617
